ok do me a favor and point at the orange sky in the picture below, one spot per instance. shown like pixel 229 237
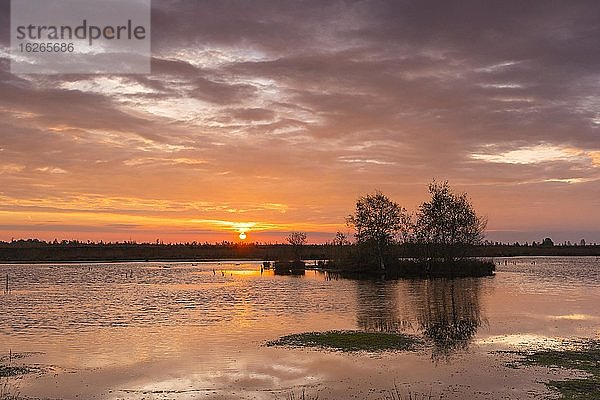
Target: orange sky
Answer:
pixel 268 117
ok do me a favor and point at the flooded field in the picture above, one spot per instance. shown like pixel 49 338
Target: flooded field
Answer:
pixel 198 330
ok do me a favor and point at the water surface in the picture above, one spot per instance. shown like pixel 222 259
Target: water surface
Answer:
pixel 197 330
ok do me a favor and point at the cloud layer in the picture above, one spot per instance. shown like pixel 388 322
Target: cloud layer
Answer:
pixel 279 114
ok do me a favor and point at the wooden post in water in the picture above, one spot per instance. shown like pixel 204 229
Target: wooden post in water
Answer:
pixel 6 289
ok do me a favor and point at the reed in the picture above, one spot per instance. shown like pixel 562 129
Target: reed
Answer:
pixel 397 394
pixel 301 396
pixel 8 391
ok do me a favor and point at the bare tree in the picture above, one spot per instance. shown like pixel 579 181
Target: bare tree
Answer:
pixel 296 240
pixel 377 221
pixel 340 239
pixel 448 222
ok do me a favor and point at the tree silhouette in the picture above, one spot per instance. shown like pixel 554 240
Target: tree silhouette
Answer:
pixel 340 239
pixel 377 221
pixel 296 240
pixel 547 242
pixel 447 223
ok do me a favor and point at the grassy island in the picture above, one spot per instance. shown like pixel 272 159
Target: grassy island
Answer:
pixel 351 341
pixel 580 355
pixel 416 268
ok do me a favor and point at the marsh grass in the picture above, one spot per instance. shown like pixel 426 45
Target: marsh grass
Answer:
pixel 301 396
pixel 397 394
pixel 14 370
pixel 392 394
pixel 580 355
pixel 351 341
pixel 10 373
pixel 8 391
pixel 9 369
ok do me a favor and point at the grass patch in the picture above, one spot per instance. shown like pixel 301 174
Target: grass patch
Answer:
pixel 301 396
pixel 14 370
pixel 583 356
pixel 8 391
pixel 397 394
pixel 351 341
pixel 18 356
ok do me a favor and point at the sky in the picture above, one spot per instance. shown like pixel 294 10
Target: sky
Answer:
pixel 274 116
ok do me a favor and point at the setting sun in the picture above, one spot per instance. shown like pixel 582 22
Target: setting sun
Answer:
pixel 242 235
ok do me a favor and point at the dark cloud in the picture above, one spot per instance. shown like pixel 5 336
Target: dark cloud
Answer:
pixel 220 93
pixel 251 114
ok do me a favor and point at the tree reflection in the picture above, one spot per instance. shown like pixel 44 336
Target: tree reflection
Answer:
pixel 448 312
pixel 378 308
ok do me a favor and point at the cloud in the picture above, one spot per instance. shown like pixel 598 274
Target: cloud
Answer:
pixel 531 155
pixel 311 104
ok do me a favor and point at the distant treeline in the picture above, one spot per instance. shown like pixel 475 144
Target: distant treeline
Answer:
pixel 35 250
pixel 73 251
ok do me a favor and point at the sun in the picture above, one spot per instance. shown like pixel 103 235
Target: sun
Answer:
pixel 242 235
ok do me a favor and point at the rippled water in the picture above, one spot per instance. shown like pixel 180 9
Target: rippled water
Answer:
pixel 197 330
